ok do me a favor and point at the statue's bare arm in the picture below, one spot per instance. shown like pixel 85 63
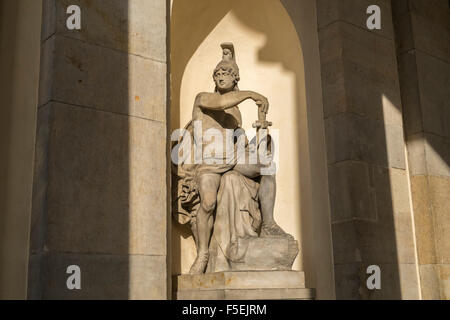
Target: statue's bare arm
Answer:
pixel 216 101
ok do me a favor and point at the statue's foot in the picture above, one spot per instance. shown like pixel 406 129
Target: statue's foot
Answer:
pixel 273 230
pixel 200 263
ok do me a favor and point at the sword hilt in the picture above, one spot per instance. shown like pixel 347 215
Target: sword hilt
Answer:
pixel 262 124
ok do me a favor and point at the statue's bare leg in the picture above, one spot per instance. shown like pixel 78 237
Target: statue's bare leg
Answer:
pixel 208 186
pixel 266 194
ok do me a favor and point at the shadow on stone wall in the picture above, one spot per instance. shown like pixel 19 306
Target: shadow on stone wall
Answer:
pixel 81 193
pixel 368 182
pixel 423 52
pixel 8 33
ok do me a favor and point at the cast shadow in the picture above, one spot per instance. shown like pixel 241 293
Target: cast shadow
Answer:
pixel 8 34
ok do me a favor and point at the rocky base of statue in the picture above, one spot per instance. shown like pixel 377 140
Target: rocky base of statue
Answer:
pixel 268 253
pixel 264 246
pixel 242 285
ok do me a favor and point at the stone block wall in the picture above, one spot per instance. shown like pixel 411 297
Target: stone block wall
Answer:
pixel 100 186
pixel 372 222
pixel 423 50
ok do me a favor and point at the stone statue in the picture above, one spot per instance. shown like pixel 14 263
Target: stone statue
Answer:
pixel 227 201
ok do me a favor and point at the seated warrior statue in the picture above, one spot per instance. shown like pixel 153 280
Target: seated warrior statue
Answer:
pixel 219 110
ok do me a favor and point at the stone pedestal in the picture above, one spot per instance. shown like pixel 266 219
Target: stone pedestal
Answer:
pixel 242 285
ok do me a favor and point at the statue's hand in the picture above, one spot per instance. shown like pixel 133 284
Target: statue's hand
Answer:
pixel 261 102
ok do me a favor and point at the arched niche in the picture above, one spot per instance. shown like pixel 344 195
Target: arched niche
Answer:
pixel 270 54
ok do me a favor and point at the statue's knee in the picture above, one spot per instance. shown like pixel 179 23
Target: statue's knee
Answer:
pixel 208 204
pixel 230 178
pixel 270 176
pixel 269 169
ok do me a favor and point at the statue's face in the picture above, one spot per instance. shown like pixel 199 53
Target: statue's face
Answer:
pixel 224 80
pixel 227 53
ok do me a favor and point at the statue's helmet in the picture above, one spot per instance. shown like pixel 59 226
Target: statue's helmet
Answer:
pixel 228 61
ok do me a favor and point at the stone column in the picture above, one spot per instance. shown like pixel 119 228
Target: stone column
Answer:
pixel 368 183
pixel 423 34
pixel 100 185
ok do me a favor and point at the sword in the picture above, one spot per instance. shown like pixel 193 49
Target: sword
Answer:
pixel 263 124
